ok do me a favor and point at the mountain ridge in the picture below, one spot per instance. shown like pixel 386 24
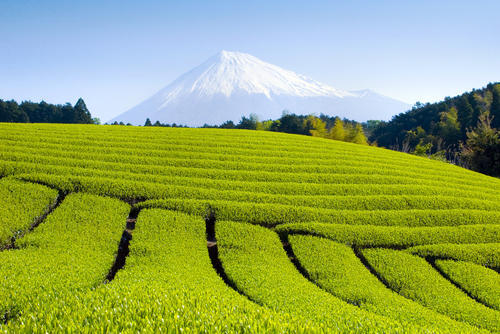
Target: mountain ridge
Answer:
pixel 229 85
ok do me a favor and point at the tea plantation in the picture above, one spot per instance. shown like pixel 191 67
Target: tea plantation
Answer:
pixel 147 229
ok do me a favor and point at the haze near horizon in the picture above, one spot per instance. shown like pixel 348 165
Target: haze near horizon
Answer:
pixel 230 85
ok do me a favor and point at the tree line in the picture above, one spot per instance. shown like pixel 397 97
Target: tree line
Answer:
pixel 464 130
pixel 43 112
pixel 323 126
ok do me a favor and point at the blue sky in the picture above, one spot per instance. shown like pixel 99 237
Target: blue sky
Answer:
pixel 114 54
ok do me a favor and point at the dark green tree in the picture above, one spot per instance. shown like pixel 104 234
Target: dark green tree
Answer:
pixel 481 151
pixel 10 112
pixel 445 124
pixel 291 123
pixel 495 107
pixel 465 114
pixel 67 114
pixel 249 123
pixel 81 113
pixel 227 125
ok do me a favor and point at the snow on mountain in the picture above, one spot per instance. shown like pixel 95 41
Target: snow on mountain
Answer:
pixel 230 85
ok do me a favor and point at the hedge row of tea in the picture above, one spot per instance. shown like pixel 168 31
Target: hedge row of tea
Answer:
pixel 168 285
pixel 22 203
pixel 72 250
pixel 312 235
pixel 337 268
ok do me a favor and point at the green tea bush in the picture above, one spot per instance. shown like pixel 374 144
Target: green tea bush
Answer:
pixel 74 248
pixel 22 204
pixel 168 284
pixel 254 260
pixel 273 214
pixel 403 237
pixel 336 269
pixel 414 278
pixel 359 196
pixel 481 283
pixel 483 254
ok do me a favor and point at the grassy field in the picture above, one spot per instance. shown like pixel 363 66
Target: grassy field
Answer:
pixel 146 229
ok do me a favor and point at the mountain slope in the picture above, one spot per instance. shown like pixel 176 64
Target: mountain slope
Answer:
pixel 232 84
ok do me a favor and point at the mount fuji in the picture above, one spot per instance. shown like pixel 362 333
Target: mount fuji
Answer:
pixel 230 85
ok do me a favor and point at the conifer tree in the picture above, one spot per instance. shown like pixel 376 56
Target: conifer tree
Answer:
pixel 495 107
pixel 465 114
pixel 358 136
pixel 81 113
pixel 148 122
pixel 337 132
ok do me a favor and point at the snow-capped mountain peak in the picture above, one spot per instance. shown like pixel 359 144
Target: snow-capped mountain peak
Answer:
pixel 228 73
pixel 229 85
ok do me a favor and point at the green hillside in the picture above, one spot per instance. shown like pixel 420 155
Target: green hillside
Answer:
pixel 464 129
pixel 130 229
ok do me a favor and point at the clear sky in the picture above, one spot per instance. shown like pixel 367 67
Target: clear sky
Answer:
pixel 115 54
